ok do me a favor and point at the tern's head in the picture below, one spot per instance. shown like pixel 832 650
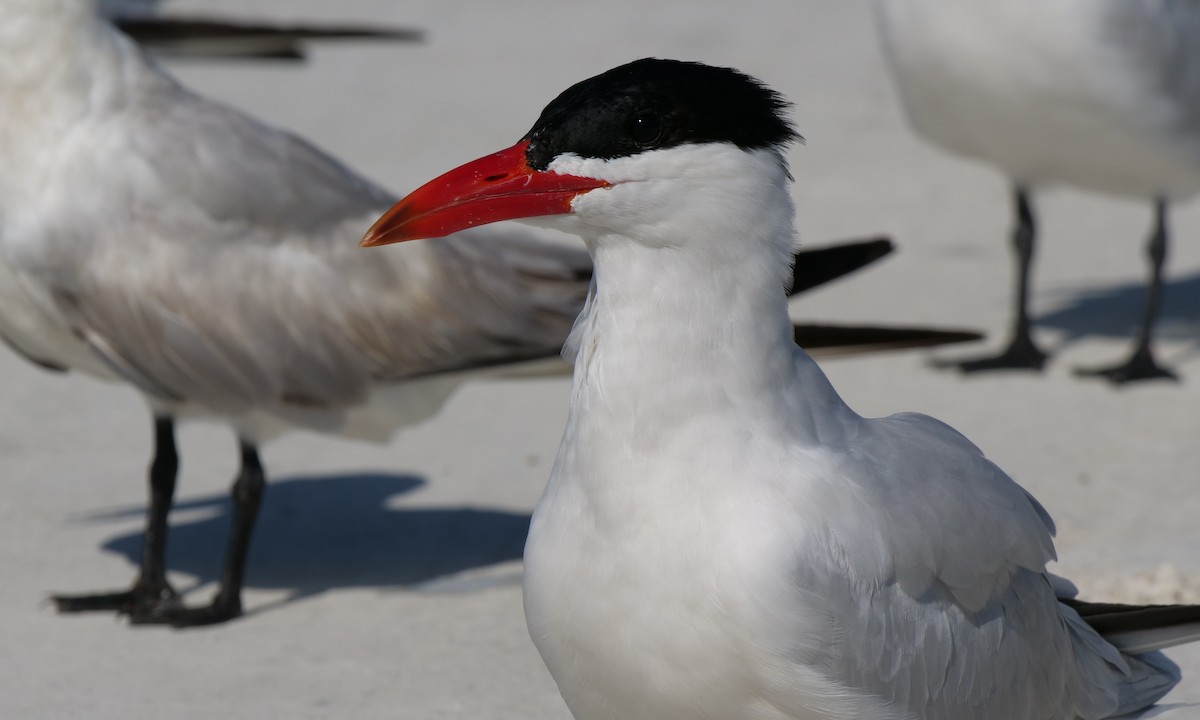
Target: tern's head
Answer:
pixel 656 151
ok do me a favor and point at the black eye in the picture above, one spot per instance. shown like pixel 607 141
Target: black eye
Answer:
pixel 646 128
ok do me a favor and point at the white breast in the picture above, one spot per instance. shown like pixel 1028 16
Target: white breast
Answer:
pixel 657 613
pixel 655 566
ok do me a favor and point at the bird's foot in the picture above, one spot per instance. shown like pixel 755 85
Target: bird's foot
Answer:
pixel 1140 366
pixel 142 598
pixel 1021 354
pixel 223 608
pixel 153 604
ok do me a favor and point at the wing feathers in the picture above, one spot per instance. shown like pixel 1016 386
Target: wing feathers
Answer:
pixel 1137 629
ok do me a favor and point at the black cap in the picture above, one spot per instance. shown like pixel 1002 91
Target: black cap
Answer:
pixel 651 104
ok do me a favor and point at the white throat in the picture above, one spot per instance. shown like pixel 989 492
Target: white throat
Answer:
pixel 690 322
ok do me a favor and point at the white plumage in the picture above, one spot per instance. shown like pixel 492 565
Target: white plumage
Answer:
pixel 209 259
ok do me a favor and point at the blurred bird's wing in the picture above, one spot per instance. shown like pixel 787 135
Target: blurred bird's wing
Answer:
pixel 215 37
pixel 812 267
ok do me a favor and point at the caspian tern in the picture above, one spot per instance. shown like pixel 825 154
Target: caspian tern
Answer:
pixel 155 237
pixel 722 537
pixel 152 236
pixel 1102 95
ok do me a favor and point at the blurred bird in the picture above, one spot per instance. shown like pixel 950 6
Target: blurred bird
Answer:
pixel 151 236
pixel 722 537
pixel 1102 95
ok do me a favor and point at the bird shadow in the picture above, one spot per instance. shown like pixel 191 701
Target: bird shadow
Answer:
pixel 335 531
pixel 1116 311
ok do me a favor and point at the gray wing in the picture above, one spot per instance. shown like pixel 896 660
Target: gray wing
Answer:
pixel 937 562
pixel 225 269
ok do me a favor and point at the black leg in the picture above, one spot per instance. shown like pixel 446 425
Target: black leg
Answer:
pixel 151 593
pixel 227 604
pixel 1021 353
pixel 247 499
pixel 1141 364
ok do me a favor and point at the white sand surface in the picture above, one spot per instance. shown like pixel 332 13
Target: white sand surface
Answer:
pixel 385 580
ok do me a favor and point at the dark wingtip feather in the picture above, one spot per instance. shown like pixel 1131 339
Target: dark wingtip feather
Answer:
pixel 851 339
pixel 1109 618
pixel 1140 629
pixel 216 37
pixel 812 267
